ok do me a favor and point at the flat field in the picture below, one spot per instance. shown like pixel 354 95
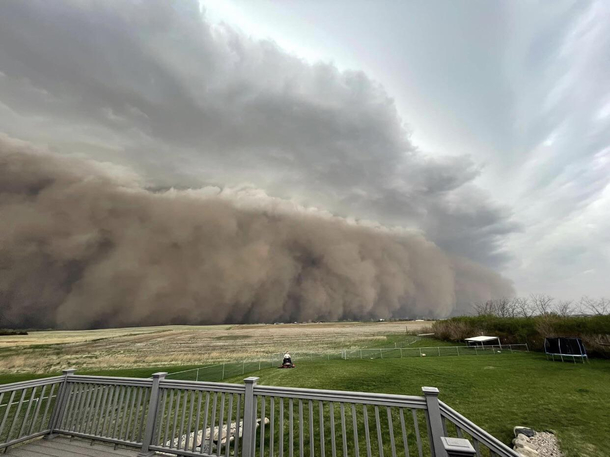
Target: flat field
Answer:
pixel 108 349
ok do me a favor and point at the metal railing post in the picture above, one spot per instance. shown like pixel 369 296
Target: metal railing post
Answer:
pixel 249 429
pixel 434 421
pixel 153 405
pixel 60 404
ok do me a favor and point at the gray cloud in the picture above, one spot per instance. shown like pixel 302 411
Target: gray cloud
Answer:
pixel 153 86
pixel 84 245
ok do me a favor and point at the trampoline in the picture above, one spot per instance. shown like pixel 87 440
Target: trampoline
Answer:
pixel 564 349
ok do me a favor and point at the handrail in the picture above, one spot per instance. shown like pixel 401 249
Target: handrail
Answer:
pixel 373 399
pixel 27 384
pixel 476 432
pixel 114 381
pixel 197 385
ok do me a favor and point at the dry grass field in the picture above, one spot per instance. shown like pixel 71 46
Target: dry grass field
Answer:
pixel 48 351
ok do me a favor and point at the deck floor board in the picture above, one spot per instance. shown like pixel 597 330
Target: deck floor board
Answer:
pixel 64 447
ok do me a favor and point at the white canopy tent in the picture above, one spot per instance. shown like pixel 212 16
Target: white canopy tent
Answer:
pixel 483 339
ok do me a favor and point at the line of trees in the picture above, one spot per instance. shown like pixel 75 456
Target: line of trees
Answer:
pixel 542 305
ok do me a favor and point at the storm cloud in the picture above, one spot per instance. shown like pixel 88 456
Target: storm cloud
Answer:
pixel 83 245
pixel 155 86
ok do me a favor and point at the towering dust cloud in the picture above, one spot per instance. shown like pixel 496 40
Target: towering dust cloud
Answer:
pixel 83 244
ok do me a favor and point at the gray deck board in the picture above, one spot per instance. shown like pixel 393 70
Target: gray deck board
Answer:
pixel 63 447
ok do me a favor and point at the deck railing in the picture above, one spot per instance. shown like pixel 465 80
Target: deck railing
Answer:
pixel 187 418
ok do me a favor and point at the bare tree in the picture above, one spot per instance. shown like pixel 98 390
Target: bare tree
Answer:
pixel 523 307
pixel 484 308
pixel 542 303
pixel 564 308
pixel 600 306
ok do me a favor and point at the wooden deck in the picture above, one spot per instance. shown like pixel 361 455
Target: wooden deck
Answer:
pixel 63 447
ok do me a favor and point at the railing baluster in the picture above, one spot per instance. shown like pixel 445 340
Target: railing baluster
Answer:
pixel 281 449
pixel 290 429
pixel 355 426
pixel 80 406
pixel 212 423
pixel 391 428
pixel 89 404
pixel 205 421
pixel 118 412
pixel 47 408
pixel 36 410
pixel 476 447
pixel 196 430
pixel 343 431
pixel 367 435
pixel 190 423
pixel 237 426
pixel 137 416
pixel 379 437
pixel 112 421
pixel 27 412
pixel 90 408
pixel 72 396
pixel 332 430
pixel 417 437
pixel 181 433
pixel 16 416
pixel 133 413
pixel 83 409
pixel 108 408
pixel 169 415
pixel 255 415
pixel 174 438
pixel 404 432
pixel 458 432
pixel 8 408
pixel 146 401
pixel 311 436
pixel 126 413
pixel 100 413
pixel 321 408
pixel 229 418
pixel 301 432
pixel 262 438
pixel 220 424
pixel 157 439
pixel 271 425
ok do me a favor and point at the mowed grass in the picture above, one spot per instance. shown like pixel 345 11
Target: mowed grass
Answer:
pixel 495 391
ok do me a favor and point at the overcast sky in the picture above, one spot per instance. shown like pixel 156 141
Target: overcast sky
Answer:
pixel 485 125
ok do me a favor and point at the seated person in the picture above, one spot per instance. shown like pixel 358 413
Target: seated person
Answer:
pixel 287 359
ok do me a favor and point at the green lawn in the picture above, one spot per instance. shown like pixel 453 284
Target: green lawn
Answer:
pixel 496 392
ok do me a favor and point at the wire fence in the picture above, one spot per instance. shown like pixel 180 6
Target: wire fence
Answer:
pixel 227 370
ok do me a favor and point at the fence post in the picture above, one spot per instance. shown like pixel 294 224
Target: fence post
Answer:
pixel 434 421
pixel 197 378
pixel 60 404
pixel 249 427
pixel 153 405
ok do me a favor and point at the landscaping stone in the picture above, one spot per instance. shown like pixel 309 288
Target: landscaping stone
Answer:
pixel 529 443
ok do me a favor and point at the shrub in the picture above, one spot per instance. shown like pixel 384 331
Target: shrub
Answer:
pixel 594 330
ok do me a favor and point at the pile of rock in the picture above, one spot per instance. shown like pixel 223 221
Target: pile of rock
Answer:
pixel 529 443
